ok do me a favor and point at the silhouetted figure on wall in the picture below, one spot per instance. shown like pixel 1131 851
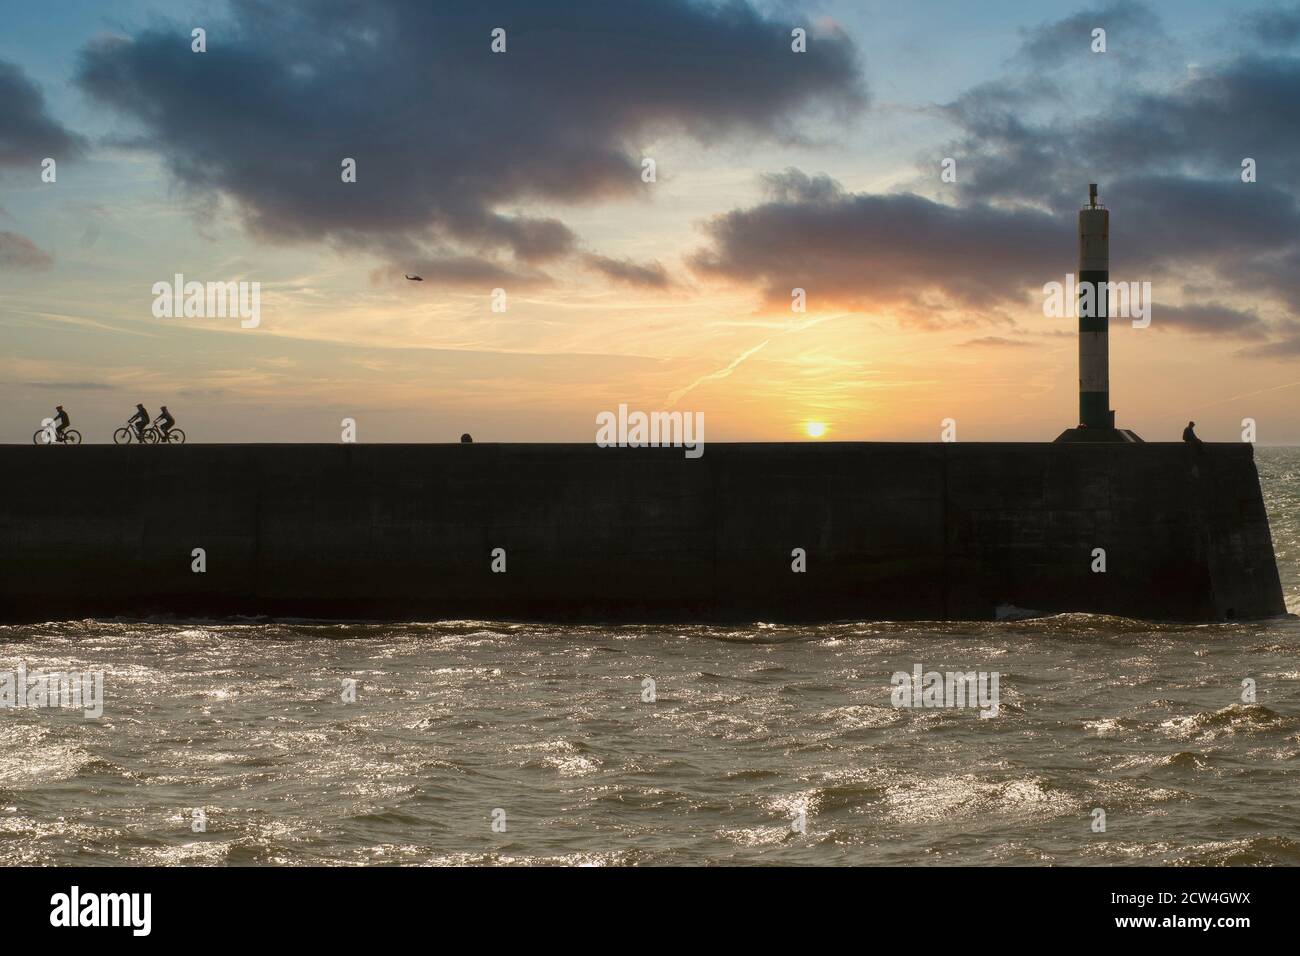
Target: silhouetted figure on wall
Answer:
pixel 139 421
pixel 1189 436
pixel 61 421
pixel 165 423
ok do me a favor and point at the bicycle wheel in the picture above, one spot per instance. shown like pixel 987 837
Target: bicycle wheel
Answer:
pixel 39 437
pixel 72 436
pixel 151 436
pixel 122 436
pixel 176 437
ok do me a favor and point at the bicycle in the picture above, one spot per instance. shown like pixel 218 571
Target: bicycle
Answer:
pixel 174 437
pixel 127 434
pixel 70 437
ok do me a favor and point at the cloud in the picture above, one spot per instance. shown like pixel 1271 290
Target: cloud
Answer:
pixel 1276 27
pixel 650 276
pixel 1283 348
pixel 996 341
pixel 1130 28
pixel 1169 163
pixel 450 139
pixel 1230 235
pixel 1031 140
pixel 1245 107
pixel 1167 153
pixel 1286 346
pixel 20 254
pixel 70 386
pixel 794 185
pixel 1210 319
pixel 27 133
pixel 869 251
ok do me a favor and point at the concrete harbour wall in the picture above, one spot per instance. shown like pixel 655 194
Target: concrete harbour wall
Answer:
pixel 891 531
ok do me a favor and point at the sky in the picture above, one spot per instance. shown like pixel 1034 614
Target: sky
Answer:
pixel 525 171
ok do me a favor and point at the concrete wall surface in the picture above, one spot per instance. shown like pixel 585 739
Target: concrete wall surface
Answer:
pixel 891 531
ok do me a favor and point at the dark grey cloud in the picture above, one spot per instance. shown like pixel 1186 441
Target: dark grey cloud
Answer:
pixel 1026 140
pixel 650 276
pixel 452 140
pixel 1131 30
pixel 1210 319
pixel 28 133
pixel 1246 107
pixel 1181 220
pixel 875 251
pixel 1169 163
pixel 794 185
pixel 20 254
pixel 866 251
pixel 1168 159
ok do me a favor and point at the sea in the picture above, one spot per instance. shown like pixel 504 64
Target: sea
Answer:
pixel 1115 742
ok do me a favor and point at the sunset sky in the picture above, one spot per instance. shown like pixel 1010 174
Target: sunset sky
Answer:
pixel 522 170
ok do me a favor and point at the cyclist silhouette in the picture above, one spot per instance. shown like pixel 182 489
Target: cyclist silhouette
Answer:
pixel 165 423
pixel 61 421
pixel 139 421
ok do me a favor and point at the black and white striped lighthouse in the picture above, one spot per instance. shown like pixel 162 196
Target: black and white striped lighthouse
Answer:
pixel 1096 419
pixel 1094 343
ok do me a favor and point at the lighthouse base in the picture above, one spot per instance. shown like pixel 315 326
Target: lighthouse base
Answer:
pixel 1099 435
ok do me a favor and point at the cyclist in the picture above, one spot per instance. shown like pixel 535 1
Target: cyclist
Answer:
pixel 61 421
pixel 139 421
pixel 165 423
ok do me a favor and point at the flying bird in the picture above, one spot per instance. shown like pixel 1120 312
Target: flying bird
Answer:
pixel 414 278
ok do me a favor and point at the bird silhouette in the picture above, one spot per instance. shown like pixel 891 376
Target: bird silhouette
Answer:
pixel 414 278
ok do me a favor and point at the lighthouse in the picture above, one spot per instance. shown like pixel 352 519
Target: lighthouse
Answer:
pixel 1094 341
pixel 1096 417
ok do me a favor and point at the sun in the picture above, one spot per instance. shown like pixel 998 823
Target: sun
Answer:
pixel 815 429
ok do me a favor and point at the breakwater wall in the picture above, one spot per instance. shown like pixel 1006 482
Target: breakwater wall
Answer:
pixel 889 531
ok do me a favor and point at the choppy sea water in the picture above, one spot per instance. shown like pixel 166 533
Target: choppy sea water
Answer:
pixel 765 744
